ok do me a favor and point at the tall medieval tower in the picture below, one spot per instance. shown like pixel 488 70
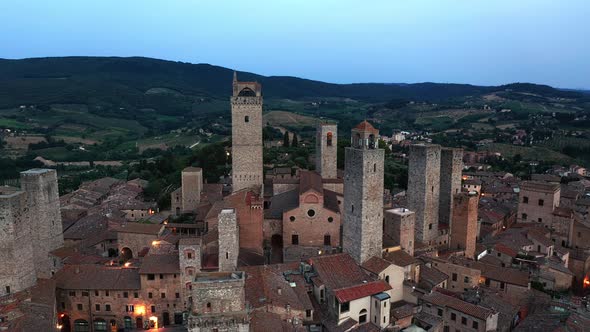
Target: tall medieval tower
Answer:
pixel 326 150
pixel 362 230
pixel 246 114
pixel 424 189
pixel 451 168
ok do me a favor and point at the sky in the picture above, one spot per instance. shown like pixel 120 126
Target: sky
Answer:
pixel 484 42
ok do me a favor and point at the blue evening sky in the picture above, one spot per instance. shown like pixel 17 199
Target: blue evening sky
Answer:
pixel 484 42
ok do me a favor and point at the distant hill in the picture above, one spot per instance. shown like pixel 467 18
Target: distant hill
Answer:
pixel 138 82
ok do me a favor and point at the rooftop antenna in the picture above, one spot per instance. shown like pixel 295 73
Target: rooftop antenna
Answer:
pixel 235 76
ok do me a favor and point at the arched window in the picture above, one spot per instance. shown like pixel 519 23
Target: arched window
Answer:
pixel 363 316
pixel 329 139
pixel 359 141
pixel 372 141
pixel 81 325
pixel 128 322
pixel 208 306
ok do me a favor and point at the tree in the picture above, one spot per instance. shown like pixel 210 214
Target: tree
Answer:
pixel 295 142
pixel 286 139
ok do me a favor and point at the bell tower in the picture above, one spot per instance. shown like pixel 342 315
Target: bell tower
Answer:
pixel 362 229
pixel 246 114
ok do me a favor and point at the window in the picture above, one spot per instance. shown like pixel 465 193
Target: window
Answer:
pixel 208 305
pixel 329 139
pixel 85 294
pixel 106 293
pixel 107 307
pixel 429 226
pixel 330 219
pixel 344 307
pixel 125 294
pixel 453 316
pixel 97 307
pixel 327 240
pixel 311 212
pixel 74 293
pixel 136 295
pixel 502 285
pixel 475 325
pixel 307 313
pixel 499 254
pixel 129 308
pixel 161 276
pixel 454 276
pixel 80 306
pixel 525 200
pixel 464 320
pixel 246 119
pixel 96 293
pixel 540 220
pixel 352 208
pixel 363 316
pixel 163 295
pixel 177 295
pixel 375 168
pixel 292 218
pixel 189 255
pixel 150 295
pixel 387 279
pixel 440 312
pixel 466 279
pixel 151 276
pixel 153 309
pixel 524 216
pixel 294 239
pixel 541 202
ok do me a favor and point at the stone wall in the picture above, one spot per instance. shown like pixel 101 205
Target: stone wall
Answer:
pixel 326 150
pixel 423 189
pixel 40 186
pixel 451 168
pixel 229 245
pixel 134 241
pixel 399 226
pixel 17 270
pixel 192 187
pixel 362 225
pixel 246 142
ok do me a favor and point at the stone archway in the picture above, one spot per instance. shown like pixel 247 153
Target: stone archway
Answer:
pixel 126 254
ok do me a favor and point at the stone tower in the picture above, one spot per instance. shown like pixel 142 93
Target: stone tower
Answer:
pixel 362 229
pixel 326 150
pixel 192 187
pixel 451 168
pixel 40 186
pixel 17 271
pixel 399 226
pixel 189 257
pixel 423 189
pixel 246 115
pixel 464 226
pixel 229 244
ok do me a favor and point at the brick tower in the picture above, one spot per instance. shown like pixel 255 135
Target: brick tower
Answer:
pixel 464 226
pixel 326 150
pixel 362 232
pixel 40 186
pixel 246 115
pixel 423 189
pixel 451 167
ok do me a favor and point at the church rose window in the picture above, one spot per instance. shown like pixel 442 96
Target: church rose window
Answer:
pixel 311 212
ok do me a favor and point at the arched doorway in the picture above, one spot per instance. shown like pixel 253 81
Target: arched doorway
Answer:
pixel 126 254
pixel 81 325
pixel 363 316
pixel 128 322
pixel 165 319
pixel 276 249
pixel 139 323
pixel 100 325
pixel 64 320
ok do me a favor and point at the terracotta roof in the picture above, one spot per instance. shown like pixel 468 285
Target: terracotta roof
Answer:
pixel 505 250
pixel 98 277
pixel 309 180
pixel 432 276
pixel 165 264
pixel 365 126
pixel 472 310
pixel 376 265
pixel 359 291
pixel 507 275
pixel 539 186
pixel 400 258
pixel 339 271
pixel 138 228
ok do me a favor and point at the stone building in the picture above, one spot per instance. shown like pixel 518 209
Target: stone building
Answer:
pixel 362 229
pixel 424 189
pixel 40 186
pixel 189 254
pixel 399 227
pixel 229 246
pixel 451 167
pixel 219 303
pixel 246 110
pixel 192 187
pixel 134 239
pixel 537 202
pixel 17 271
pixel 326 150
pixel 464 226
